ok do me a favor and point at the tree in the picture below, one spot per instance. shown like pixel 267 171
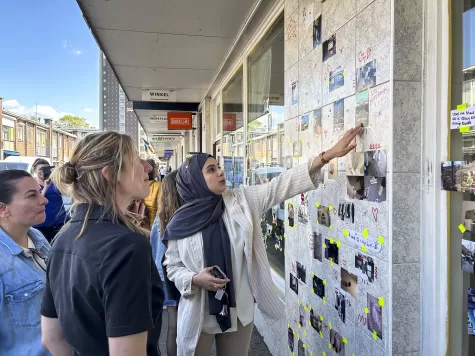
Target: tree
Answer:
pixel 73 121
pixel 34 118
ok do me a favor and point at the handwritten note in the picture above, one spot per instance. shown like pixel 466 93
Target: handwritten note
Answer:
pixel 462 118
pixel 370 243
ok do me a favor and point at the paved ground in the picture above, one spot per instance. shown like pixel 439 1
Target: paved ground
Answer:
pixel 258 347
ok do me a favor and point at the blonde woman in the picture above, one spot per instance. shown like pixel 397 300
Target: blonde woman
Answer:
pixel 103 294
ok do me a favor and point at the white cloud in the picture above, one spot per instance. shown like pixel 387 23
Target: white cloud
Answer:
pixel 88 110
pixel 70 48
pixel 44 111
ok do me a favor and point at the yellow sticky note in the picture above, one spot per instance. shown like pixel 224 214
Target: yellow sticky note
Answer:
pixel 313 274
pixel 321 334
pixel 330 326
pixel 462 228
pixel 330 208
pixel 332 241
pixel 461 107
pixel 305 333
pixel 317 205
pixel 299 326
pixel 363 248
pixel 346 232
pixel 324 245
pixel 375 336
pixel 338 244
pixel 464 128
pixel 316 222
pixel 325 282
pixel 381 302
pixel 309 323
pixel 330 346
pixel 331 262
pixel 305 345
pixel 328 82
pixel 321 317
pixel 293 353
pixel 311 353
pixel 365 233
pixel 281 249
pixel 324 300
pixel 324 354
pixel 366 310
pixel 305 308
pixel 298 301
pixel 345 341
pixel 381 240
pixel 331 227
pixel 313 291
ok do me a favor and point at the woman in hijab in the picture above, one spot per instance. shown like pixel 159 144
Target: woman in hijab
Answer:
pixel 216 254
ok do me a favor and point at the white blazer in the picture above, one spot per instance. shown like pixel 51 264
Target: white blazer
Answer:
pixel 184 258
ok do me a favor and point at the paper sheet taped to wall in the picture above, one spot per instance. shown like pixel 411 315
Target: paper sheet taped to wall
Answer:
pixel 464 117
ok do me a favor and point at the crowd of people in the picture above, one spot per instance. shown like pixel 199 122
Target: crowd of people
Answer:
pixel 94 281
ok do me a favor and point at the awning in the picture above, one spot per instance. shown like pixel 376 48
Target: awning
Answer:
pixel 11 153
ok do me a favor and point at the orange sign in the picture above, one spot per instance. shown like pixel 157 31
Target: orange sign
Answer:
pixel 180 121
pixel 229 122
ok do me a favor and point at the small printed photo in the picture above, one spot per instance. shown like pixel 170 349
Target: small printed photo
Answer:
pixel 301 348
pixel 375 189
pixel 337 343
pixel 366 76
pixel 304 122
pixel 471 311
pixel 451 175
pixel 337 80
pixel 365 266
pixel 290 338
pixel 317 246
pixel 355 163
pixel 301 272
pixel 303 209
pixel 375 164
pixel 295 93
pixel 317 122
pixel 318 286
pixel 468 215
pixel 317 324
pixel 362 108
pixel 290 209
pixel 375 316
pixel 323 216
pixel 294 284
pixel 355 187
pixel 346 211
pixel 301 315
pixel 331 251
pixel 340 303
pixel 329 48
pixel 339 116
pixel 297 146
pixel 468 256
pixel 317 31
pixel 349 283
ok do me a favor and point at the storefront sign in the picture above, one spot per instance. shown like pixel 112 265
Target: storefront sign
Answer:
pixel 463 117
pixel 180 121
pixel 163 138
pixel 157 119
pixel 158 95
pixel 229 122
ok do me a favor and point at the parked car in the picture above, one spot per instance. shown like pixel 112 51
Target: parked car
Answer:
pixel 20 162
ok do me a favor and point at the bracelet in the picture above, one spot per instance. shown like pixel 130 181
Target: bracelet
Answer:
pixel 324 161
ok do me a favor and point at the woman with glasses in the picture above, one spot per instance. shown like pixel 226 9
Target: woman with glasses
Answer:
pixel 23 253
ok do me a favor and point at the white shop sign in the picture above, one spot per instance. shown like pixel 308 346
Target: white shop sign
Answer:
pixel 160 138
pixel 464 117
pixel 158 95
pixel 158 119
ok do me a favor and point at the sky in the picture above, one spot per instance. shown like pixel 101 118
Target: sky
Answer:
pixel 48 59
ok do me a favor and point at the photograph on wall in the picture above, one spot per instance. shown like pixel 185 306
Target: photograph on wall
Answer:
pixel 323 216
pixel 340 303
pixel 297 147
pixel 339 116
pixel 451 175
pixel 303 209
pixel 315 321
pixel 291 217
pixel 355 163
pixel 336 340
pixel 329 47
pixel 301 272
pixel 295 93
pixel 468 256
pixel 317 246
pixel 467 177
pixel 318 286
pixel 294 284
pixel 301 348
pixel 346 211
pixel 375 163
pixel 468 215
pixel 349 282
pixel 317 31
pixel 317 122
pixel 331 251
pixel 362 108
pixel 336 80
pixel 304 121
pixel 290 338
pixel 355 187
pixel 366 76
pixel 365 266
pixel 301 315
pixel 375 316
pixel 471 311
pixel 375 189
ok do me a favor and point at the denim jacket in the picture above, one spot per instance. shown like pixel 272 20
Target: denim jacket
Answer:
pixel 21 292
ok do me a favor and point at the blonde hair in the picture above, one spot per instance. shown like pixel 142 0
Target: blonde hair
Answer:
pixel 82 178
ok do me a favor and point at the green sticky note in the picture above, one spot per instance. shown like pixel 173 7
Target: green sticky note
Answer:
pixel 331 262
pixel 381 240
pixel 309 323
pixel 321 334
pixel 375 336
pixel 299 326
pixel 317 205
pixel 381 302
pixel 321 317
pixel 331 240
pixel 325 282
pixel 346 232
pixel 323 353
pixel 366 310
pixel 305 345
pixel 464 128
pixel 331 227
pixel 462 228
pixel 365 233
pixel 330 346
pixel 344 74
pixel 305 308
pixel 298 301
pixel 324 300
pixel 313 291
pixel 330 207
pixel 345 341
pixel 461 107
pixel 338 244
pixel 313 274
pixel 330 326
pixel 305 333
pixel 281 249
pixel 363 248
pixel 324 245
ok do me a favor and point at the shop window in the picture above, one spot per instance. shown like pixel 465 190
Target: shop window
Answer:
pixel 265 131
pixel 8 135
pixel 21 132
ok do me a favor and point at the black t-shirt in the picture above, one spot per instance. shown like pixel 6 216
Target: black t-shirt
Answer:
pixel 102 284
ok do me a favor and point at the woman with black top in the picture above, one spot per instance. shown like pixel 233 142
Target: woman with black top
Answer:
pixel 103 294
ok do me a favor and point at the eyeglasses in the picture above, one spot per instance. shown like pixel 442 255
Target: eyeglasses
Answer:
pixel 37 254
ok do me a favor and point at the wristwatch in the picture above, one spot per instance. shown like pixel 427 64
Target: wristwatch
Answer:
pixel 324 161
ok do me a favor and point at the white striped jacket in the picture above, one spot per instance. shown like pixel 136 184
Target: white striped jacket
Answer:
pixel 184 258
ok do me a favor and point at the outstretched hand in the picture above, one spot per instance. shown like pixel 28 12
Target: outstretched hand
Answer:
pixel 344 145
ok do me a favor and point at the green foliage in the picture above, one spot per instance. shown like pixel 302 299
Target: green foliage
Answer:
pixel 74 121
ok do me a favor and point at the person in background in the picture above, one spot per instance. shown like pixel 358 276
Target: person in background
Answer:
pixel 55 212
pixel 163 172
pixel 216 254
pixel 170 201
pixel 23 254
pixel 103 293
pixel 152 201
